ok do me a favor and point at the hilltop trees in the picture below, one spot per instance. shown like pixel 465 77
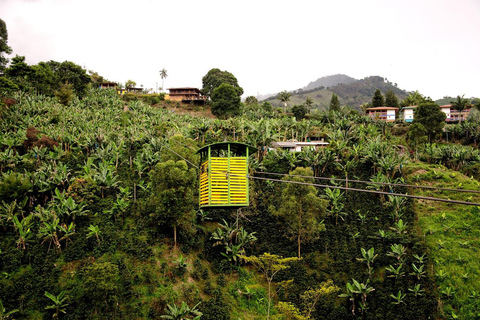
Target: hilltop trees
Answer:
pixel 215 77
pixel 225 101
pixel 334 103
pixel 391 99
pixel 4 48
pixel 378 99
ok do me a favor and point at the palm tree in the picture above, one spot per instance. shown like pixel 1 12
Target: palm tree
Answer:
pixel 460 104
pixel 308 103
pixel 163 75
pixel 284 96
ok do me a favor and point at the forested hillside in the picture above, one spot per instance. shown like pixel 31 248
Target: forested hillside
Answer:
pixel 350 93
pixel 100 219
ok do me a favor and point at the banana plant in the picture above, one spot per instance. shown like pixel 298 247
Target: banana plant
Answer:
pixel 335 204
pixel 399 227
pixel 23 228
pixel 182 312
pixel 418 272
pixel 357 291
pixel 416 290
pixel 58 303
pixel 48 231
pixel 399 298
pixel 395 272
pixel 368 258
pixel 68 231
pixel 398 251
pixel 94 231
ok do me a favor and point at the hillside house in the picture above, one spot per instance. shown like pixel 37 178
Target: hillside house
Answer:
pixel 408 113
pixel 295 146
pixel 382 113
pixel 108 85
pixel 454 115
pixel 186 95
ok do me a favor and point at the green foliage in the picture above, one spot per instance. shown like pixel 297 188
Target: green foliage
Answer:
pixel 378 100
pixel 65 94
pixel 431 117
pixel 215 78
pixel 391 99
pixel 301 209
pixel 4 48
pixel 225 101
pixel 299 111
pixel 334 103
pixel 173 185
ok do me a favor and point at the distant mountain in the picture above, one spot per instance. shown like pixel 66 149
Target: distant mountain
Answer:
pixel 353 94
pixel 330 81
pixel 361 91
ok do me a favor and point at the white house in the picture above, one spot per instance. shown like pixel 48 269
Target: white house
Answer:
pixel 295 146
pixel 408 113
pixel 382 113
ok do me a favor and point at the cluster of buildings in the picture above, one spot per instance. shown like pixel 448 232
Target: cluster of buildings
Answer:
pixel 390 114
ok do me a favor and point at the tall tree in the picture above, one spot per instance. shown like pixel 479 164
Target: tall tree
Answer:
pixel 215 77
pixel 378 100
pixel 431 117
pixel 173 197
pixel 269 265
pixel 308 104
pixel 284 96
pixel 391 99
pixel 460 104
pixel 163 75
pixel 4 48
pixel 225 101
pixel 130 84
pixel 301 208
pixel 334 103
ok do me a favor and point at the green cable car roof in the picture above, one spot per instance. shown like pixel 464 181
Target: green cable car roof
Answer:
pixel 235 147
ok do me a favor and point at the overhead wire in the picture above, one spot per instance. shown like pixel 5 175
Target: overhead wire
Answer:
pixel 373 182
pixel 349 188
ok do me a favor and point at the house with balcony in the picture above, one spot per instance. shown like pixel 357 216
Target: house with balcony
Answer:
pixel 186 95
pixel 453 114
pixel 387 114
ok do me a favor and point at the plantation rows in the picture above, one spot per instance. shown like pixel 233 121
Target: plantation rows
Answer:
pixel 99 217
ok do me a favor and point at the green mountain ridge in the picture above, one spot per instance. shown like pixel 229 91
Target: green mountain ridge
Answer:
pixel 353 93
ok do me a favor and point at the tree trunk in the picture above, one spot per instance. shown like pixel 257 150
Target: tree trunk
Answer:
pixel 175 237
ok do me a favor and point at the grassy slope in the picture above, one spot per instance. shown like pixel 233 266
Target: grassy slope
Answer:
pixel 452 233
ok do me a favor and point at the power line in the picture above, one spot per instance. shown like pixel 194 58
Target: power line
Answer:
pixel 369 191
pixel 373 182
pixel 345 188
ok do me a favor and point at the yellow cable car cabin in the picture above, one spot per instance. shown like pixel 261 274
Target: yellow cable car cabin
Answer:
pixel 223 175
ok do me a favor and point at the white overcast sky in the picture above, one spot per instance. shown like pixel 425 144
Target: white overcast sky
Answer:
pixel 428 45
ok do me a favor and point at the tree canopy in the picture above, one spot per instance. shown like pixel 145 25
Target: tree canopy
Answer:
pixel 334 103
pixel 216 77
pixel 378 100
pixel 225 101
pixel 431 117
pixel 4 48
